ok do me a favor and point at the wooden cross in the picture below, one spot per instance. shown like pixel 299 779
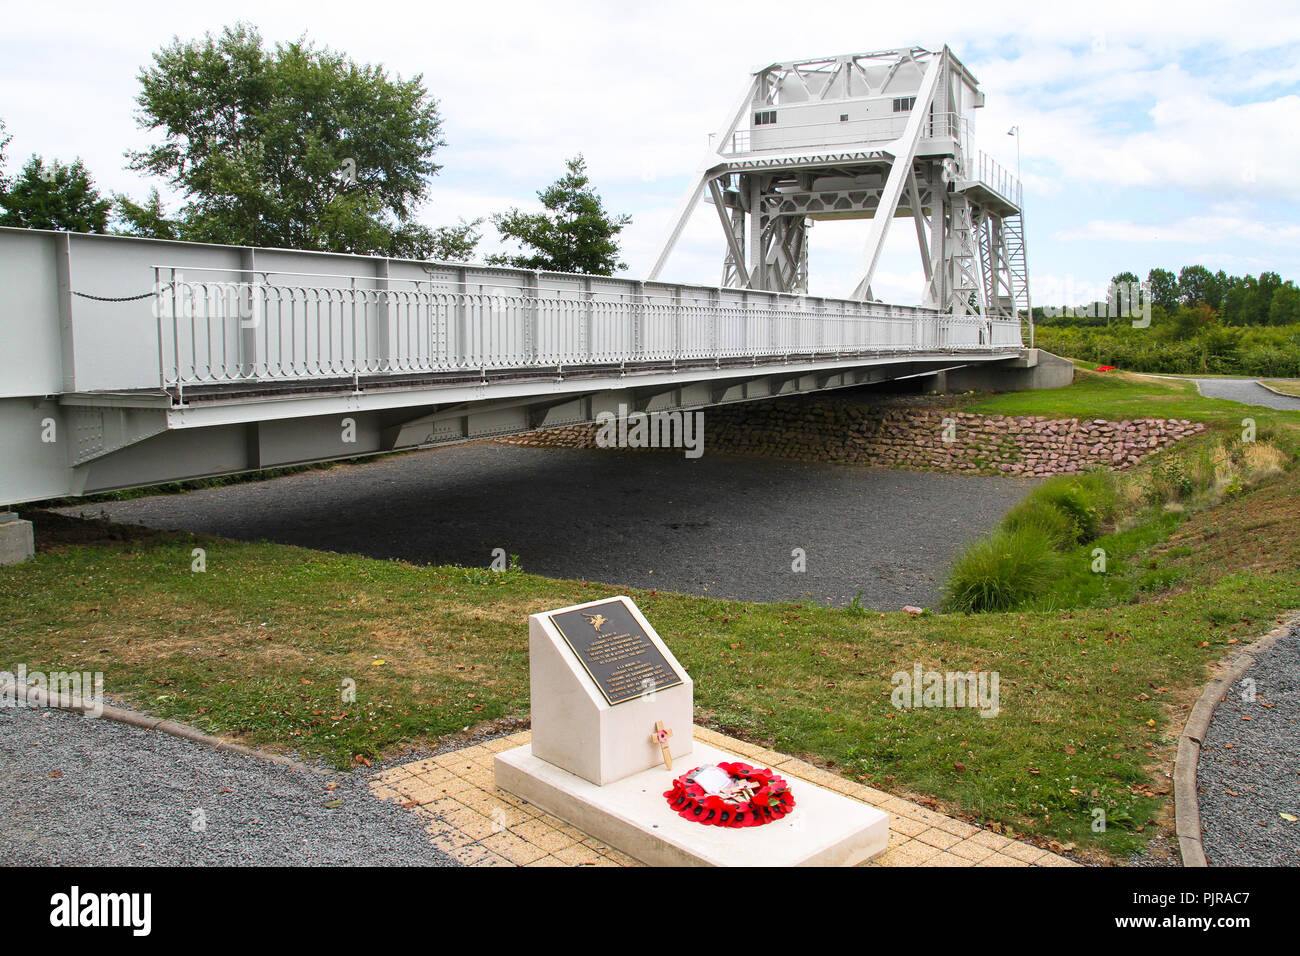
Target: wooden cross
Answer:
pixel 660 737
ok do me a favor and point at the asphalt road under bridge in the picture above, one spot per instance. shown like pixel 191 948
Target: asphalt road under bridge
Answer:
pixel 719 526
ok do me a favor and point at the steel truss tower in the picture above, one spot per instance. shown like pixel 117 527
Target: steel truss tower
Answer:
pixel 875 136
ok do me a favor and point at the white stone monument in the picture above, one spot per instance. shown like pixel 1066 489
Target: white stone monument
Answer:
pixel 602 682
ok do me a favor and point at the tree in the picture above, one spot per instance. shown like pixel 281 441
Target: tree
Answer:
pixel 148 219
pixel 54 196
pixel 1196 284
pixel 1285 307
pixel 4 141
pixel 296 146
pixel 445 243
pixel 1162 286
pixel 576 235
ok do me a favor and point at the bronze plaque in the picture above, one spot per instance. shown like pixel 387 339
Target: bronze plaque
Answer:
pixel 614 649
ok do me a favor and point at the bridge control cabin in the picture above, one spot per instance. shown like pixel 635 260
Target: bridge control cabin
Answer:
pixel 805 106
pixel 875 136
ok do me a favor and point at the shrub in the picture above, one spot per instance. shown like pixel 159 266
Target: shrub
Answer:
pixel 1072 497
pixel 1002 571
pixel 1060 528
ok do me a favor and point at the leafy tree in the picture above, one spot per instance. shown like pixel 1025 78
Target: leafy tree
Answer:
pixel 445 243
pixel 148 219
pixel 1284 309
pixel 575 235
pixel 1196 284
pixel 1163 288
pixel 54 196
pixel 293 146
pixel 4 141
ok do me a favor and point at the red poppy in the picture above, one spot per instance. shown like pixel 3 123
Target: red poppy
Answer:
pixel 770 798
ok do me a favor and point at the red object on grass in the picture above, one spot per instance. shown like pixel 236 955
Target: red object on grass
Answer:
pixel 1105 368
pixel 771 799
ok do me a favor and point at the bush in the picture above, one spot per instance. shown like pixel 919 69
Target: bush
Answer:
pixel 1074 499
pixel 1060 528
pixel 1003 571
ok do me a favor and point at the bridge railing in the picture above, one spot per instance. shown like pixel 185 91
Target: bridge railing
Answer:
pixel 219 332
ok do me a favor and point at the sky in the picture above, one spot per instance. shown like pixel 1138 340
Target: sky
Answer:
pixel 1153 135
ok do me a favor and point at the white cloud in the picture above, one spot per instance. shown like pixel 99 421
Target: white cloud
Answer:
pixel 1196 229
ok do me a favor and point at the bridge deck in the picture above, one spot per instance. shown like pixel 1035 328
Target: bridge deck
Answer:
pixel 166 360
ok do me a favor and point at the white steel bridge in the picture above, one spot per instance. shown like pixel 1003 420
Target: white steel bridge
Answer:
pixel 133 361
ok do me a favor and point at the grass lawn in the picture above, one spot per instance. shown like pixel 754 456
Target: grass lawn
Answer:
pixel 1092 699
pixel 1287 386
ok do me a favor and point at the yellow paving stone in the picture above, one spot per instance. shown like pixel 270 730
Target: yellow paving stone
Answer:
pixel 433 776
pixel 908 853
pixel 565 828
pixel 456 793
pixel 1024 852
pixel 451 786
pixel 767 757
pixel 440 806
pixel 970 850
pixel 994 841
pixel 875 797
pixel 471 822
pixel 902 808
pixel 476 854
pixel 947 859
pixel 540 835
pixel 499 744
pixel 395 773
pixel 622 859
pixel 793 767
pixel 936 837
pixel 420 766
pixel 578 855
pixel 514 848
pixel 447 838
pixel 906 826
pixel 959 828
pixel 500 813
pixel 706 736
pixel 422 794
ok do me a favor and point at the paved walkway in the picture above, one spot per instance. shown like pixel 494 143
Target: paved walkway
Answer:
pixel 1247 391
pixel 1248 775
pixel 479 825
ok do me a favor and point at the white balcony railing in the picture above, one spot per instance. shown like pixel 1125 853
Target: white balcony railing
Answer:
pixel 226 332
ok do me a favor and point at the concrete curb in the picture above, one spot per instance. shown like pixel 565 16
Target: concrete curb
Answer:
pixel 1273 390
pixel 28 697
pixel 1187 809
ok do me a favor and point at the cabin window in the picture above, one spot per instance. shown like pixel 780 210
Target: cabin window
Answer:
pixel 844 117
pixel 904 104
pixel 765 118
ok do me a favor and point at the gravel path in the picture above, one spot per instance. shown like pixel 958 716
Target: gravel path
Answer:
pixel 719 526
pixel 1249 771
pixel 75 790
pixel 1245 390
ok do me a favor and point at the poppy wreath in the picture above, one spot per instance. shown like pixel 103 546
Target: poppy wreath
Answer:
pixel 770 798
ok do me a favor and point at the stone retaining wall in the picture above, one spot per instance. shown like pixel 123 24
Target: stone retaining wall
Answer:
pixel 912 437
